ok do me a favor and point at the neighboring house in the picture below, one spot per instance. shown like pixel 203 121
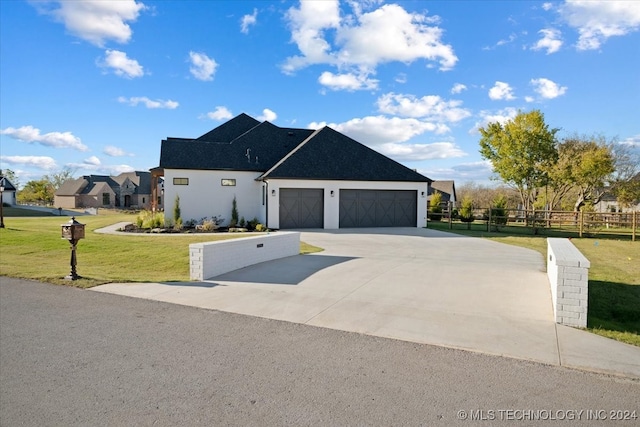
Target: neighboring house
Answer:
pixel 9 192
pixel 127 190
pixel 288 178
pixel 446 188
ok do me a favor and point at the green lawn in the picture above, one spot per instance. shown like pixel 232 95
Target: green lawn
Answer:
pixel 32 248
pixel 614 276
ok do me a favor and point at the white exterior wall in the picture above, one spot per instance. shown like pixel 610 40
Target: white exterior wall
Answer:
pixel 332 203
pixel 207 260
pixel 205 196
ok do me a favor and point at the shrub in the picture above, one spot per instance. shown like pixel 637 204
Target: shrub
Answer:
pixel 251 224
pixel 176 211
pixel 259 227
pixel 242 222
pixel 499 210
pixel 147 219
pixel 234 213
pixel 435 210
pixel 466 211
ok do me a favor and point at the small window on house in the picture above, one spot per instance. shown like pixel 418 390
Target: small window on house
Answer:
pixel 228 182
pixel 144 200
pixel 106 198
pixel 180 181
pixel 159 200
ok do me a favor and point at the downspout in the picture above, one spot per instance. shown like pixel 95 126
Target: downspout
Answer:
pixel 266 203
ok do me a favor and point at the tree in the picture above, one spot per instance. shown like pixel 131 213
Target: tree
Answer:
pixel 585 163
pixel 521 151
pixel 466 211
pixel 234 213
pixel 40 192
pixel 58 178
pixel 435 206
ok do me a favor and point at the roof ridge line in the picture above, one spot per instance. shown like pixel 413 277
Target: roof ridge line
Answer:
pixel 289 154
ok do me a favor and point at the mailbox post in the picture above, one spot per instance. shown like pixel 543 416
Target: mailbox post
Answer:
pixel 73 231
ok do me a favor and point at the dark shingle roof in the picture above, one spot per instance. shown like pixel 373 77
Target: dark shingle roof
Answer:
pixel 447 188
pixel 265 144
pixel 244 144
pixel 231 129
pixel 328 154
pixel 8 186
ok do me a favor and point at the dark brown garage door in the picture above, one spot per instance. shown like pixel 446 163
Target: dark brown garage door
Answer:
pixel 301 208
pixel 378 208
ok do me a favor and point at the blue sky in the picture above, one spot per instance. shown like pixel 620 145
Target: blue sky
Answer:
pixel 96 85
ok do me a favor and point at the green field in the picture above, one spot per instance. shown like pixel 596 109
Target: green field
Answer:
pixel 614 276
pixel 32 248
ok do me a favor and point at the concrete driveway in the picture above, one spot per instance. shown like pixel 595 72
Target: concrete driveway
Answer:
pixel 411 284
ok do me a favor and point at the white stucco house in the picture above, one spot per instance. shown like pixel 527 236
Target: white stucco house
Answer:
pixel 288 178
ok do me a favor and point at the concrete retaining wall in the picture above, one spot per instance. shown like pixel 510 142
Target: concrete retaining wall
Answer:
pixel 568 272
pixel 207 260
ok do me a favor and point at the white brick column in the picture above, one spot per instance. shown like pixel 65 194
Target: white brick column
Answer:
pixel 568 272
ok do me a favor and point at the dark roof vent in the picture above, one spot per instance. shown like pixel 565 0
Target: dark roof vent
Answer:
pixel 290 133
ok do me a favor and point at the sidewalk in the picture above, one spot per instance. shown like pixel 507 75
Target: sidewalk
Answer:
pixel 406 284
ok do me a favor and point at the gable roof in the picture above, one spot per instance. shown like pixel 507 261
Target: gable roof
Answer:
pixel 86 184
pixel 8 186
pixel 244 144
pixel 231 129
pixel 330 155
pixel 256 150
pixel 447 188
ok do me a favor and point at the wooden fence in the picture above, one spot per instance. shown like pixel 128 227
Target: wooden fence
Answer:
pixel 582 223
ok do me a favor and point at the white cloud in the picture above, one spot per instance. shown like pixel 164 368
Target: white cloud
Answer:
pixel 550 41
pixel 348 81
pixel 474 171
pixel 548 89
pixel 501 90
pixel 458 88
pixel 113 151
pixel 632 141
pixel 95 21
pixel 377 130
pixel 267 116
pixel 202 67
pixel 512 37
pixel 362 41
pixel 158 103
pixel 547 6
pixel 220 113
pixel 30 134
pixel 93 161
pixel 430 107
pixel 89 167
pixel 596 21
pixel 529 99
pixel 40 162
pixel 500 116
pixel 401 78
pixel 416 152
pixel 247 21
pixel 121 65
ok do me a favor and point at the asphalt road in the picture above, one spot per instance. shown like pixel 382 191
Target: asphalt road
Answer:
pixel 72 357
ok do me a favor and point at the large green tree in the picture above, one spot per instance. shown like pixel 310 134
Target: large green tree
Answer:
pixel 36 191
pixel 521 151
pixel 585 164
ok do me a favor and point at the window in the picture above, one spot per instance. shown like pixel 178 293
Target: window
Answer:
pixel 180 181
pixel 228 182
pixel 106 198
pixel 159 200
pixel 143 200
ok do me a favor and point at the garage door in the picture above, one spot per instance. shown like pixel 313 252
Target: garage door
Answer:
pixel 301 208
pixel 378 208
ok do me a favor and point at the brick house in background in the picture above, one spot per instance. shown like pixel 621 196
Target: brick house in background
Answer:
pixel 127 190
